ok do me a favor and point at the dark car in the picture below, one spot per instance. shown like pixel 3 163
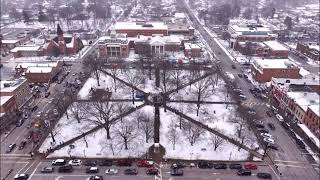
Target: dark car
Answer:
pixel 233 66
pixel 124 162
pixel 271 126
pixel 235 166
pixel 258 125
pixel 96 178
pixel 240 75
pixel 47 94
pixel 273 146
pixel 300 143
pixel 105 162
pixel 131 171
pixel 22 144
pixel 90 163
pixel 66 168
pixel 220 166
pixel 20 122
pixel 47 169
pixel 11 147
pixel 34 108
pixel 245 76
pixel 205 165
pixel 262 130
pixel 264 176
pixel 92 170
pixel 269 113
pixel 152 171
pixel 243 172
pixel 176 172
pixel 177 165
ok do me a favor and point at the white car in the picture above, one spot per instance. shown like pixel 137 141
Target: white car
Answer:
pixel 279 117
pixel 268 140
pixel 112 171
pixel 75 162
pixel 55 112
pixel 21 176
pixel 266 135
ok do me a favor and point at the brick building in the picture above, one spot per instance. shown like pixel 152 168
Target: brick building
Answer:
pixel 180 29
pixel 310 83
pixel 311 50
pixel 39 72
pixel 115 45
pixel 192 50
pixel 264 69
pixel 7 104
pixel 133 29
pixel 18 88
pixel 312 119
pixel 267 49
pixel 251 33
pixel 27 51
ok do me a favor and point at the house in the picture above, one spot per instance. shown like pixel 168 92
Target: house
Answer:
pixel 276 49
pixel 263 70
pixel 133 29
pixel 267 49
pixel 192 50
pixel 18 88
pixel 312 50
pixel 115 45
pixel 27 51
pixel 8 44
pixel 39 72
pixel 252 33
pixel 180 29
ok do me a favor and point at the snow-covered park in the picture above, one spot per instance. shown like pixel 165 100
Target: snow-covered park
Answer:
pixel 132 135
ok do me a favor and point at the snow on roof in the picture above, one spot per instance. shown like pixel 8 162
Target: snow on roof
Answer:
pixel 315 108
pixel 314 46
pixel 10 41
pixel 303 72
pixel 157 40
pixel 4 99
pixel 304 99
pixel 304 81
pixel 31 64
pixel 245 29
pixel 70 45
pixel 273 63
pixel 310 134
pixel 25 48
pixel 179 15
pixel 10 86
pixel 275 45
pixel 35 69
pixel 138 26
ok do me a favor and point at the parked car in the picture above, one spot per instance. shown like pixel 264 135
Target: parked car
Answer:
pixel 66 168
pixel 105 162
pixel 269 113
pixel 130 171
pixel 263 130
pixel 47 94
pixel 264 175
pixel 266 135
pixel 300 143
pixel 96 177
pixel 268 140
pixel 21 176
pixel 177 165
pixel 112 171
pixel 47 169
pixel 90 163
pixel 244 172
pixel 273 146
pixel 34 108
pixel 58 162
pixel 22 144
pixel 205 165
pixel 233 66
pixel 235 166
pixel 75 162
pixel 124 162
pixel 152 171
pixel 279 117
pixel 271 126
pixel 176 172
pixel 144 163
pixel 250 166
pixel 93 169
pixel 220 166
pixel 55 112
pixel 258 125
pixel 11 147
pixel 240 75
pixel 20 122
pixel 242 97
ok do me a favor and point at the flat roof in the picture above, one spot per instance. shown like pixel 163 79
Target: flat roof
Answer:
pixel 139 25
pixel 10 41
pixel 10 86
pixel 4 99
pixel 305 99
pixel 43 64
pixel 25 48
pixel 274 63
pixel 39 69
pixel 275 45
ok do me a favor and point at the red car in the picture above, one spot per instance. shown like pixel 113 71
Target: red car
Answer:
pixel 124 162
pixel 250 166
pixel 152 171
pixel 144 163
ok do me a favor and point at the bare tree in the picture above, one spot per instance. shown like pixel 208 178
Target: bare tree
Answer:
pixel 114 73
pixel 192 132
pixel 146 125
pixel 121 107
pixel 78 111
pixel 173 134
pixel 240 124
pixel 201 91
pixel 94 65
pixel 127 132
pixel 102 113
pixel 176 77
pixel 216 140
pixel 134 79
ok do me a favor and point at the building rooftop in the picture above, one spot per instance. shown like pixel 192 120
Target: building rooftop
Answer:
pixel 25 48
pixel 275 45
pixel 44 64
pixel 4 99
pixel 305 99
pixel 315 108
pixel 140 25
pixel 39 69
pixel 250 30
pixel 10 86
pixel 10 41
pixel 273 63
pixel 309 81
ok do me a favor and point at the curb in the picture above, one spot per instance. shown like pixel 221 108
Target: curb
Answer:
pixel 6 135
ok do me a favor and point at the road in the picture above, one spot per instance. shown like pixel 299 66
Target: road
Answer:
pixel 297 166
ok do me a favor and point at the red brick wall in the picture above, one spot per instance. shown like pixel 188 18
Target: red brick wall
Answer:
pixel 279 54
pixel 38 77
pixel 10 105
pixel 267 74
pixel 312 121
pixel 145 32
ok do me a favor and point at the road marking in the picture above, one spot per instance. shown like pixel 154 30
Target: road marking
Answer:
pixel 287 165
pixel 278 177
pixel 22 168
pixel 29 166
pixel 297 162
pixel 35 170
pixel 17 162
